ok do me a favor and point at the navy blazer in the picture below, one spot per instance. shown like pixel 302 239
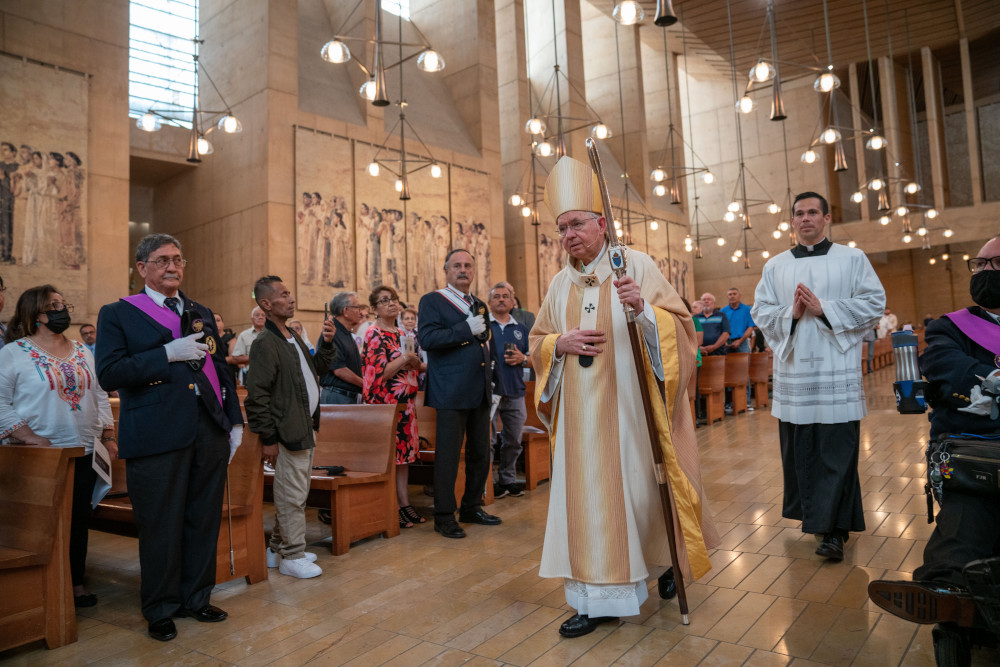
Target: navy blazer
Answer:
pixel 159 406
pixel 458 365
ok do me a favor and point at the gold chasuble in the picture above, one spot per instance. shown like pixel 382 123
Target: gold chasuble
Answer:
pixel 605 523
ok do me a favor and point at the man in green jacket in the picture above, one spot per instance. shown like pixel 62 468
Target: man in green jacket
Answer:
pixel 282 406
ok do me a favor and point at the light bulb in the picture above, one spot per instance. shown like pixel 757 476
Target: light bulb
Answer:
pixel 907 238
pixel 430 61
pixel 688 240
pixel 765 254
pixel 776 234
pixel 709 178
pixel 367 90
pixel 738 252
pixel 720 241
pixel 773 208
pixel 619 233
pixel 526 211
pixel 399 185
pixel 658 174
pixel 932 261
pixel 965 257
pixel 515 200
pixel 745 105
pixel 534 126
pixel 628 12
pixel 912 188
pixel 544 149
pixel 601 131
pixel 373 169
pixel 659 189
pixel 931 213
pixel 852 244
pixel 618 224
pixel 809 156
pixel 733 206
pixel 729 216
pixel 783 225
pixel 829 136
pixel 230 124
pixel 148 122
pixel 875 143
pixel 689 248
pixel 901 211
pixel 944 256
pixel 436 171
pixel 858 197
pixel 884 220
pixel 654 225
pixel 876 184
pixel 335 52
pixel 761 72
pixel 205 146
pixel 948 233
pixel 826 82
pixel 922 231
pixel 734 258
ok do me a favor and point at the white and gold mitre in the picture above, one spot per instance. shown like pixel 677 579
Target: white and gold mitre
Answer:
pixel 572 186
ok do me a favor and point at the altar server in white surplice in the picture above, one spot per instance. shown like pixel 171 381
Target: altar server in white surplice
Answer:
pixel 605 530
pixel 814 304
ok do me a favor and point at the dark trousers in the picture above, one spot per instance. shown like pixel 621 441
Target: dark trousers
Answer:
pixel 820 466
pixel 966 529
pixel 177 500
pixel 474 424
pixel 84 477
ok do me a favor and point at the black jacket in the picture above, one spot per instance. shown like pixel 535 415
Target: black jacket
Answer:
pixel 458 364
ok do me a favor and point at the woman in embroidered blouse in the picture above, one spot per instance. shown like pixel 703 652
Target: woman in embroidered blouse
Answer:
pixel 49 396
pixel 389 376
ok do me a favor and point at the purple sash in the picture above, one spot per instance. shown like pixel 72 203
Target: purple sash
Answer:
pixel 983 333
pixel 170 320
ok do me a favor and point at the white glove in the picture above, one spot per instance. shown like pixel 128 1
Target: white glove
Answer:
pixel 477 323
pixel 235 438
pixel 187 348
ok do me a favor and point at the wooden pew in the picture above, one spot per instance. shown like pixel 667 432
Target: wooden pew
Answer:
pixel 362 501
pixel 36 494
pixel 760 376
pixel 737 375
pixel 423 472
pixel 711 385
pixel 246 490
pixel 535 440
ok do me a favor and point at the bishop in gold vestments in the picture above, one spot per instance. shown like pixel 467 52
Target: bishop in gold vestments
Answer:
pixel 605 528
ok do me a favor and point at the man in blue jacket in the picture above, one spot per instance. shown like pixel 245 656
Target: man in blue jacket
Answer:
pixel 179 425
pixel 454 333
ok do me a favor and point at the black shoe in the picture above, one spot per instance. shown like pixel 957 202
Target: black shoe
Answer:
pixel 581 624
pixel 499 491
pixel 831 547
pixel 163 630
pixel 479 516
pixel 667 585
pixel 207 614
pixel 85 600
pixel 983 579
pixel 449 528
pixel 324 516
pixel 514 489
pixel 952 647
pixel 924 601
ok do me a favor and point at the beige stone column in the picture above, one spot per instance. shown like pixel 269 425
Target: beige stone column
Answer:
pixel 935 129
pixel 859 138
pixel 971 126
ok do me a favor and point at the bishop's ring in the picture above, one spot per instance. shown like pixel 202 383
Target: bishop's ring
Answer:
pixel 584 347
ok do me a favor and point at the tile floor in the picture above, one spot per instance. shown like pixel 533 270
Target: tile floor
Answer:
pixel 420 599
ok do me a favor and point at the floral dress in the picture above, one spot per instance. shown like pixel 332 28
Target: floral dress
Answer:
pixel 380 348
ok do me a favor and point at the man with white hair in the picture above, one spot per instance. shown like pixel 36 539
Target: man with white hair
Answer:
pixel 241 351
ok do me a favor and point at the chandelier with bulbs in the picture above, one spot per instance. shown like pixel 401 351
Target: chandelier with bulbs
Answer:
pixel 199 144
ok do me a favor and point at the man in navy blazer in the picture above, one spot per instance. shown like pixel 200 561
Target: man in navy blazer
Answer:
pixel 453 331
pixel 178 426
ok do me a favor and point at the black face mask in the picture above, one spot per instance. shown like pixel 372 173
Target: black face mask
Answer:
pixel 985 288
pixel 58 320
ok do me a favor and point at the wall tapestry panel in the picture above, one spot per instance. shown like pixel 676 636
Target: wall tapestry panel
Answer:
pixel 324 218
pixel 470 223
pixel 427 233
pixel 381 247
pixel 43 178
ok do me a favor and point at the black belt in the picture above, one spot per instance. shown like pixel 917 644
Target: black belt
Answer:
pixel 342 392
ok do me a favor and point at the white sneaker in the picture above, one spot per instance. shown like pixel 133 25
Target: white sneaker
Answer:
pixel 274 558
pixel 300 567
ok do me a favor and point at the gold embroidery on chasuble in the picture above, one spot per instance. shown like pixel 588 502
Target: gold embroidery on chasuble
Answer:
pixel 595 497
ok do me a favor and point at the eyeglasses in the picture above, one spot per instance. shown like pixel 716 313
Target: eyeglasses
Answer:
pixel 977 264
pixel 387 300
pixel 164 262
pixel 58 305
pixel 574 226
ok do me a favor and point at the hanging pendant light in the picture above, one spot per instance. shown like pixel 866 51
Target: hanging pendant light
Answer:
pixel 839 157
pixel 664 14
pixel 883 201
pixel 777 103
pixel 379 99
pixel 193 155
pixel 628 12
pixel 430 61
pixel 335 51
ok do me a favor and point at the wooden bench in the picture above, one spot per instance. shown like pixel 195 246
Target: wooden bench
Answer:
pixel 737 377
pixel 535 440
pixel 760 377
pixel 36 494
pixel 711 385
pixel 362 501
pixel 246 490
pixel 423 471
